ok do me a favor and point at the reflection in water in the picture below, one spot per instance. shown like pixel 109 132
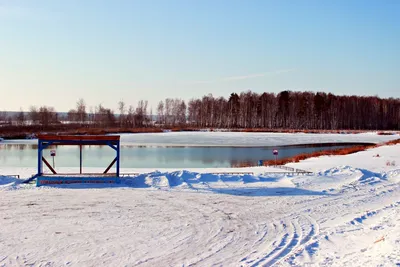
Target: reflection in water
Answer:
pixel 25 155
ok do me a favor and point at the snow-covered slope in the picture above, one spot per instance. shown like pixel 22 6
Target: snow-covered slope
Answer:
pixel 345 214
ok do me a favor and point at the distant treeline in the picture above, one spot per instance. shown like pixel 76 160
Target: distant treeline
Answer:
pixel 249 110
pixel 295 110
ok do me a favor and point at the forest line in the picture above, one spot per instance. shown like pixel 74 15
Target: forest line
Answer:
pixel 248 110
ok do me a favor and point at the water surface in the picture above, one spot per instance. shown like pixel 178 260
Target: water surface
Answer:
pixel 25 155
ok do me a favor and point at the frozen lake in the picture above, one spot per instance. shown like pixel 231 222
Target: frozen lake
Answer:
pixel 25 155
pixel 185 149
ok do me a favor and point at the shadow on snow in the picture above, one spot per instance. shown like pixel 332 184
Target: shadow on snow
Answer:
pixel 267 191
pixel 238 185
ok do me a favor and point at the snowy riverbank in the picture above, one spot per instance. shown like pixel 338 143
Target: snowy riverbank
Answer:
pixel 345 214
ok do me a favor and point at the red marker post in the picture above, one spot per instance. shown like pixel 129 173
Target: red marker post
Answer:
pixel 275 152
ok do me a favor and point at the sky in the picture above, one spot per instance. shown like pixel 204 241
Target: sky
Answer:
pixel 53 52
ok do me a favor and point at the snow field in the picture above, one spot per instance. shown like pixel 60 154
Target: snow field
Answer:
pixel 345 214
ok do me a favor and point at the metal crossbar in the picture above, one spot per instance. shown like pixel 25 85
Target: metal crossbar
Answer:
pixel 295 170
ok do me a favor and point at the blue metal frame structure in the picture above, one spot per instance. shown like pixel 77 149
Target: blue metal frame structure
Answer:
pixel 44 141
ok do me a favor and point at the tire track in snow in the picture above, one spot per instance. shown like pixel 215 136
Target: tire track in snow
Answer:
pixel 292 237
pixel 314 230
pixel 280 247
pixel 295 237
pixel 260 248
pixel 219 230
pixel 368 214
pixel 314 243
pixel 231 230
pixel 309 248
pixel 285 242
pixel 198 235
pixel 308 240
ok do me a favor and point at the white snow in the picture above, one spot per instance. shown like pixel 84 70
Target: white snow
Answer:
pixel 238 139
pixel 345 214
pixel 248 139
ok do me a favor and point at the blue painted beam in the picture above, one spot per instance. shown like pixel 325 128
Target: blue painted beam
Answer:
pixel 45 145
pixel 113 147
pixel 40 149
pixel 118 158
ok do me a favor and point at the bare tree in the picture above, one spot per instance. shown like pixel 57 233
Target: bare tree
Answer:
pixel 168 111
pixel 181 113
pixel 130 118
pixel 21 118
pixel 121 108
pixel 81 111
pixel 47 116
pixel 3 117
pixel 160 113
pixel 34 115
pixel 91 116
pixel 104 117
pixel 141 113
pixel 150 117
pixel 72 115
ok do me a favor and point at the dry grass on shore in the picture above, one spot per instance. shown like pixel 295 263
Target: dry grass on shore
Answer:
pixel 335 152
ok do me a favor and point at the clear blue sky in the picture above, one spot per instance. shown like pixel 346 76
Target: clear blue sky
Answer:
pixel 53 52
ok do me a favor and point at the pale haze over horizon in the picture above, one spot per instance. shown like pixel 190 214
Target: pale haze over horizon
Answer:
pixel 54 52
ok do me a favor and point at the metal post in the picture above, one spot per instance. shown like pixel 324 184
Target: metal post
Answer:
pixel 80 159
pixel 118 158
pixel 39 157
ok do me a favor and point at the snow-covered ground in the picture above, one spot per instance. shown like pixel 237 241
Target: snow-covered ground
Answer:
pixel 345 214
pixel 238 139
